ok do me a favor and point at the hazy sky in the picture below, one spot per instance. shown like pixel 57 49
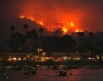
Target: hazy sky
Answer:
pixel 86 14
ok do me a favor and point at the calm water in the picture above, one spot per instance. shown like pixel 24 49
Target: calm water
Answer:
pixel 43 75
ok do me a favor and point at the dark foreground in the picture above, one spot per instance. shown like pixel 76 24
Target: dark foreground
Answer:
pixel 81 74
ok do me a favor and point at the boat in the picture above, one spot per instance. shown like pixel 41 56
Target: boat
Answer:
pixel 60 73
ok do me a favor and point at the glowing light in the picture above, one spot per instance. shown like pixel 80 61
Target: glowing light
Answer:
pixel 41 23
pixel 14 58
pixel 19 58
pixel 32 19
pixel 76 30
pixel 72 24
pixel 22 17
pixel 64 30
pixel 61 65
pixel 89 58
pixel 67 27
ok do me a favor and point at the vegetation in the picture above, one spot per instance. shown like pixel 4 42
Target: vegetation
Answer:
pixel 55 41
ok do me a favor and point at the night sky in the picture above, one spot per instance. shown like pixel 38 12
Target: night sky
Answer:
pixel 85 14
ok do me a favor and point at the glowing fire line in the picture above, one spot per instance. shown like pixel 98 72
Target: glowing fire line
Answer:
pixel 64 28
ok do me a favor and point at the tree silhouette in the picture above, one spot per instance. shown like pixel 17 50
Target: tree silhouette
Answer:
pixel 58 32
pixel 59 44
pixel 16 43
pixel 31 39
pixel 41 30
pixel 32 34
pixel 12 28
pixel 40 37
pixel 91 44
pixel 25 26
pixel 91 34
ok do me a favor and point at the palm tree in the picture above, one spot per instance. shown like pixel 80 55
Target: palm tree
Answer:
pixel 31 37
pixel 12 28
pixel 40 38
pixel 18 41
pixel 79 35
pixel 34 38
pixel 80 42
pixel 34 34
pixel 91 45
pixel 25 26
pixel 41 30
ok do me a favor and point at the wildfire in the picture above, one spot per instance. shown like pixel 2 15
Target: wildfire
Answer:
pixel 72 24
pixel 41 23
pixel 32 19
pixel 66 28
pixel 76 30
pixel 22 17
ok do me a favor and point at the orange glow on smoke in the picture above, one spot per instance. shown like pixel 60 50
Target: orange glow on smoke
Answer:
pixel 65 30
pixel 67 27
pixel 41 23
pixel 67 18
pixel 72 24
pixel 76 30
pixel 32 19
pixel 22 17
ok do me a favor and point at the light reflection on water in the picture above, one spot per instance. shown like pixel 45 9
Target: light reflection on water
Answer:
pixel 43 75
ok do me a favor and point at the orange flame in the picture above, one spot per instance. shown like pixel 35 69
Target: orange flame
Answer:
pixel 67 27
pixel 32 19
pixel 41 23
pixel 65 30
pixel 22 16
pixel 76 30
pixel 72 24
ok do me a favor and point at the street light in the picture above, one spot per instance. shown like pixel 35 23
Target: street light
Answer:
pixel 39 50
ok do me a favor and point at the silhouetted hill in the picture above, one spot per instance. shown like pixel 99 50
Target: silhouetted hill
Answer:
pixel 98 36
pixel 5 34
